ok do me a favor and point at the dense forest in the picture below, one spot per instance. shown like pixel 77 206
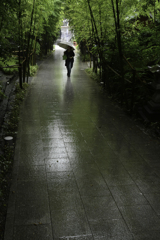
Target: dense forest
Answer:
pixel 120 37
pixel 27 28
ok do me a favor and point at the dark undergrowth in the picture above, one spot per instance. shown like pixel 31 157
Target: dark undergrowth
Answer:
pixel 142 94
pixel 7 152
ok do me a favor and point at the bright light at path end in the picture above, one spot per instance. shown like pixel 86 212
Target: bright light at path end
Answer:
pixel 58 47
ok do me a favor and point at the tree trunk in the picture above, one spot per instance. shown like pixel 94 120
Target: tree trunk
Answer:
pixel 20 65
pixel 119 43
pixel 28 45
pixel 24 71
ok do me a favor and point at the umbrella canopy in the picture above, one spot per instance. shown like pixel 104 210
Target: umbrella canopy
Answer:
pixel 65 45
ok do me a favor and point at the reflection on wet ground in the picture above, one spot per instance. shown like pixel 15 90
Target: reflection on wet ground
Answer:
pixel 82 169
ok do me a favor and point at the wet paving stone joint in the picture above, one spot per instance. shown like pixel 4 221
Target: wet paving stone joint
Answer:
pixel 82 168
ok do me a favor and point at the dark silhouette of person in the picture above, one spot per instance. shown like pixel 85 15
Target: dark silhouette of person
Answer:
pixel 70 59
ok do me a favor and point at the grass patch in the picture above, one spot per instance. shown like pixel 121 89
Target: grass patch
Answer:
pixel 13 120
pixel 33 70
pixel 92 74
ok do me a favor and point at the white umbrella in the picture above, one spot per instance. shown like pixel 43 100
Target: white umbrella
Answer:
pixel 65 45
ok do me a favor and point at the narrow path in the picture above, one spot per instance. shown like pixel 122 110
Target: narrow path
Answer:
pixel 82 169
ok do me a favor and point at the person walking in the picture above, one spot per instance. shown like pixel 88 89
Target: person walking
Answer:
pixel 69 60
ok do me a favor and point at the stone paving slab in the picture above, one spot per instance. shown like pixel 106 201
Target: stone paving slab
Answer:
pixel 82 168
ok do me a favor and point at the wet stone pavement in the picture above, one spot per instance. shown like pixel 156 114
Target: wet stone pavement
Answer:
pixel 82 169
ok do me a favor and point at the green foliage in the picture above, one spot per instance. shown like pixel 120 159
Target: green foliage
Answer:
pixel 33 22
pixel 129 29
pixel 86 57
pixel 14 115
pixel 8 62
pixel 33 70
